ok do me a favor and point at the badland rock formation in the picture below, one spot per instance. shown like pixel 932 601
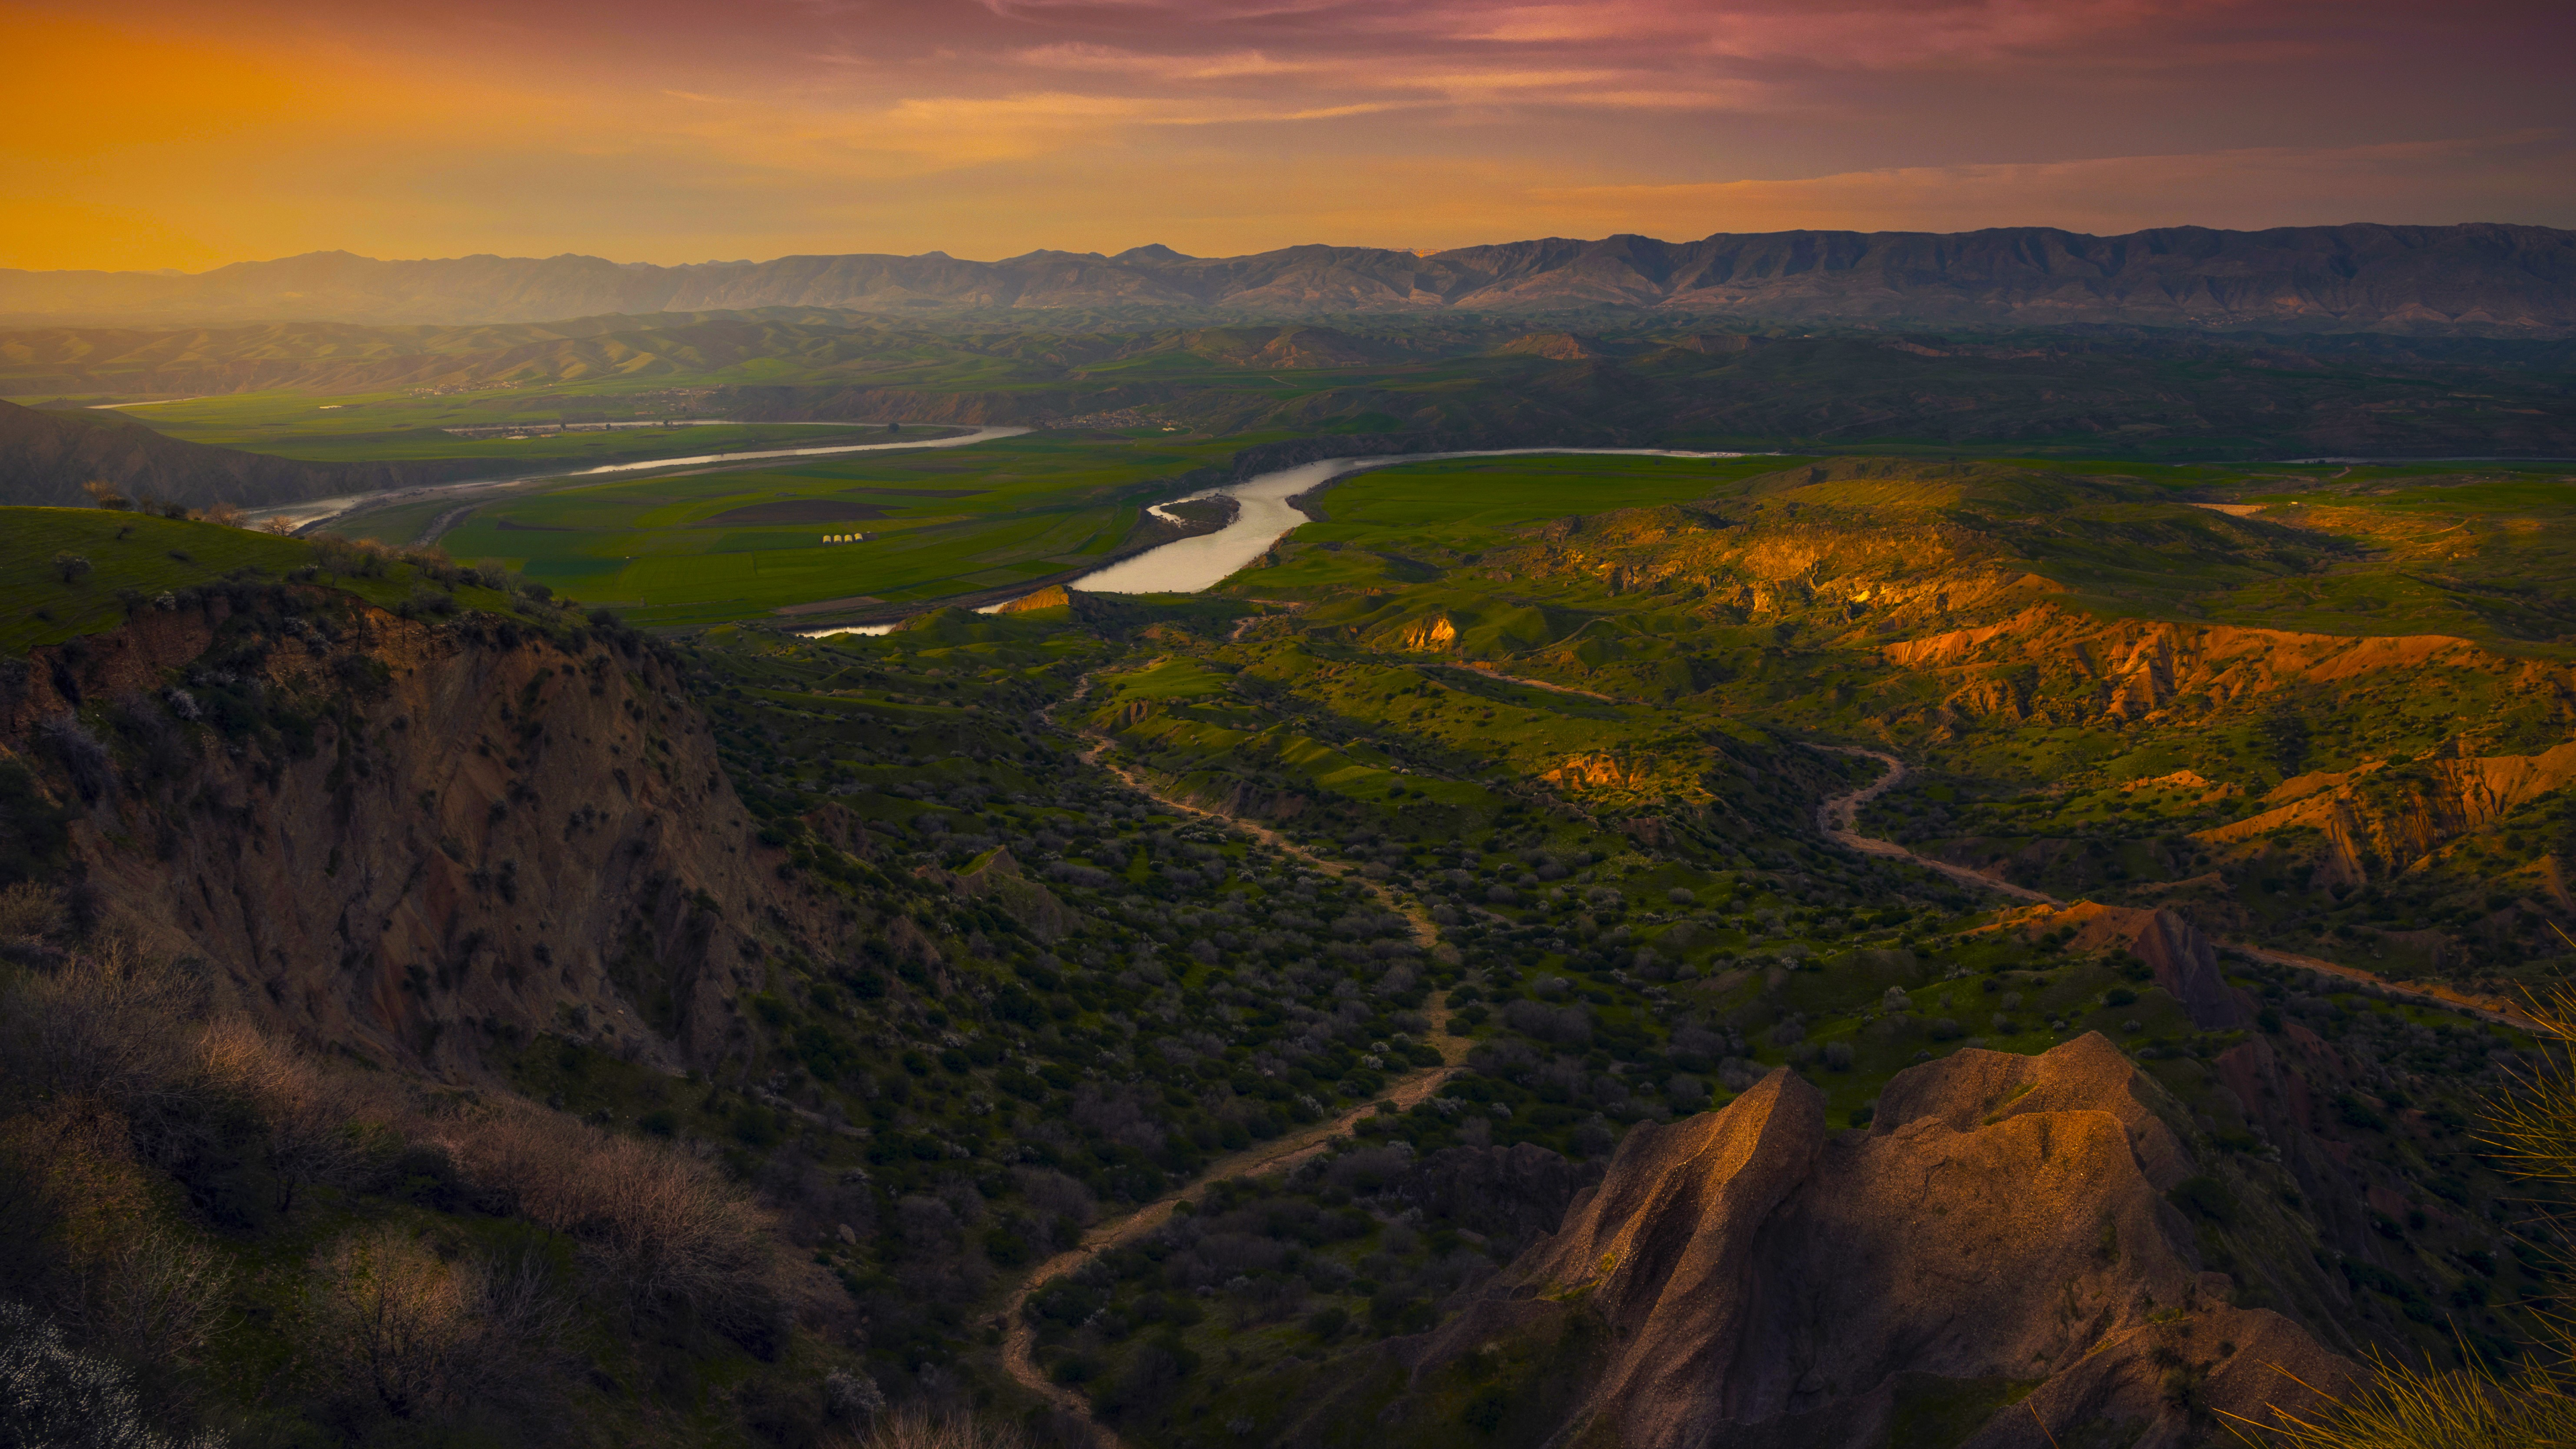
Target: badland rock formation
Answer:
pixel 1998 1241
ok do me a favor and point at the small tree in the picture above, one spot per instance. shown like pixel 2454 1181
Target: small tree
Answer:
pixel 106 494
pixel 71 568
pixel 2285 738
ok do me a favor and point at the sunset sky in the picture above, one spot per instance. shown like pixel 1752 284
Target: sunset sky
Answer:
pixel 191 134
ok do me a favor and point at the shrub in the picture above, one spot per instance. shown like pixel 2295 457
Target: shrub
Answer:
pixel 1563 1025
pixel 82 1225
pixel 108 1025
pixel 920 1429
pixel 426 600
pixel 30 909
pixel 2203 1197
pixel 425 1338
pixel 52 1395
pixel 71 568
pixel 1486 1410
pixel 307 1138
pixel 660 1224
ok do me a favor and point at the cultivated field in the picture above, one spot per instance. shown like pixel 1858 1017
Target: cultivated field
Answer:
pixel 731 544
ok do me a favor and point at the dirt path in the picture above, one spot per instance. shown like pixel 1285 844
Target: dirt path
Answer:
pixel 1835 818
pixel 444 524
pixel 1552 688
pixel 1019 1343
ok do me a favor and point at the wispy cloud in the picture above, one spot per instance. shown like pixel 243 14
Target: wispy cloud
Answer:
pixel 2438 181
pixel 181 131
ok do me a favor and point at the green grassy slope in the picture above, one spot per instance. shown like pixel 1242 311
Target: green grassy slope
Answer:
pixel 2137 393
pixel 133 557
pixel 715 545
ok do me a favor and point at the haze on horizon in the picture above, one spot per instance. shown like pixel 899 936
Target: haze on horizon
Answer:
pixel 185 134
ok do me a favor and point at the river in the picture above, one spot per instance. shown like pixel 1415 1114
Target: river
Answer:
pixel 1191 564
pixel 1185 566
pixel 302 516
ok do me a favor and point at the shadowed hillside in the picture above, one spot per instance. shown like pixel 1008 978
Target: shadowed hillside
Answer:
pixel 46 457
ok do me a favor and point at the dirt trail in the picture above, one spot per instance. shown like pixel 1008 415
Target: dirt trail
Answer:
pixel 1019 1344
pixel 1547 685
pixel 1836 816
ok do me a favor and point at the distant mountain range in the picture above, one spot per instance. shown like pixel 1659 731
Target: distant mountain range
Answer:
pixel 2482 279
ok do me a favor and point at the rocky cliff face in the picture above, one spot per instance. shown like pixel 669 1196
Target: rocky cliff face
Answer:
pixel 1996 1251
pixel 2381 819
pixel 404 839
pixel 2137 669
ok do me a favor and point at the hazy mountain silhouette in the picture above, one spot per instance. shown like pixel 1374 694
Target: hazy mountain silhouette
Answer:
pixel 2480 278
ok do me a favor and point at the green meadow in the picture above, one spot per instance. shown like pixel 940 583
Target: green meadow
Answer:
pixel 1465 505
pixel 712 546
pixel 406 427
pixel 2487 553
pixel 114 558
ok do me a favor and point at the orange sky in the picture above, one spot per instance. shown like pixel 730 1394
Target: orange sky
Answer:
pixel 190 134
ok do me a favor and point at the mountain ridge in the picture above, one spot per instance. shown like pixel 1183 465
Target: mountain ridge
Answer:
pixel 2483 278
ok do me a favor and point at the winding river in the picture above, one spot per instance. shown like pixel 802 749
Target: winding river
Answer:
pixel 307 515
pixel 1191 564
pixel 1188 565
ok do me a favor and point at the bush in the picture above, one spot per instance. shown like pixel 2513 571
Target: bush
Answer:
pixel 307 1140
pixel 659 1223
pixel 53 1396
pixel 920 1429
pixel 2203 1197
pixel 426 601
pixel 1486 1410
pixel 30 910
pixel 109 1025
pixel 82 1228
pixel 427 1339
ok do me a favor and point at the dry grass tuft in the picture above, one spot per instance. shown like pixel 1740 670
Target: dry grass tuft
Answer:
pixel 920 1429
pixel 29 910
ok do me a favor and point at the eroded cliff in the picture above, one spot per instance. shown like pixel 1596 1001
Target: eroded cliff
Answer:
pixel 405 838
pixel 1997 1250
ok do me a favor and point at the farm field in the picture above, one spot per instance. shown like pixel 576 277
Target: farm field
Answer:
pixel 706 547
pixel 402 427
